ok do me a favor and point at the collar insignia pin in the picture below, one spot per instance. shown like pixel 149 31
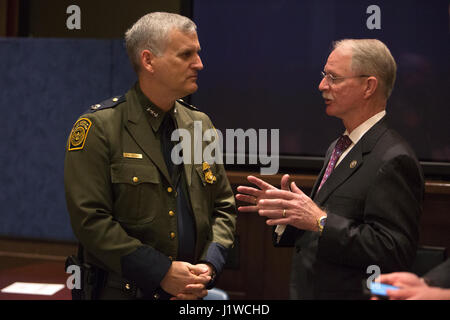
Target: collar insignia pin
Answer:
pixel 152 112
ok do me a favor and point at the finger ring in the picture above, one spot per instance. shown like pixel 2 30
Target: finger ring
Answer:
pixel 284 213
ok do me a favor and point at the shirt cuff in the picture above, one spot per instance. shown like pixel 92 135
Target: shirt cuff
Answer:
pixel 146 267
pixel 279 230
pixel 215 256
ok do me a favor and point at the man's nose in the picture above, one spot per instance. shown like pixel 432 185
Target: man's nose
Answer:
pixel 323 85
pixel 198 64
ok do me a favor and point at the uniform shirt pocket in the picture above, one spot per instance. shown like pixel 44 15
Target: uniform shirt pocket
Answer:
pixel 137 192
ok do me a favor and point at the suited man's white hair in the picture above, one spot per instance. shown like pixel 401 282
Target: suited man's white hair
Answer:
pixel 372 57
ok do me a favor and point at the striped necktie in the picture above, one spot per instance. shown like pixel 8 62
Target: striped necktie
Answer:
pixel 343 143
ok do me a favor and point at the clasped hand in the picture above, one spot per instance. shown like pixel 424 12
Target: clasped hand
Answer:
pixel 186 281
pixel 281 207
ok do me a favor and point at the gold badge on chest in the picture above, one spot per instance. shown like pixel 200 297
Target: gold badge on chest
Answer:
pixel 209 177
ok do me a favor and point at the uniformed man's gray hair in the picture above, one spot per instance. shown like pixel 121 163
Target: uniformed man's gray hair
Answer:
pixel 372 57
pixel 151 32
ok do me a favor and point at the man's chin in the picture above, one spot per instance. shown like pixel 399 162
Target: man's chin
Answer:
pixel 191 89
pixel 333 112
pixel 329 110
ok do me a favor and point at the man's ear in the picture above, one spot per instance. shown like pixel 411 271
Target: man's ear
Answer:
pixel 147 60
pixel 371 86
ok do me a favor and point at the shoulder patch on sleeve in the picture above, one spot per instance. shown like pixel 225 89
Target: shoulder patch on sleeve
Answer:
pixel 108 103
pixel 79 134
pixel 190 106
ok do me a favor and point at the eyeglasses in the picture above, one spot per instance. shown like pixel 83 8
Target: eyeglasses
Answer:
pixel 332 79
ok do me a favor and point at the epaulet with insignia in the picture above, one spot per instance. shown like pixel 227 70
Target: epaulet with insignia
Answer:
pixel 187 105
pixel 108 103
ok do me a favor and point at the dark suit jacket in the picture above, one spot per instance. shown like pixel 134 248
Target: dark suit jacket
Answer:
pixel 373 200
pixel 439 276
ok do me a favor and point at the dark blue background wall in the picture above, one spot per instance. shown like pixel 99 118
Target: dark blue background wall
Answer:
pixel 45 84
pixel 263 60
pixel 262 63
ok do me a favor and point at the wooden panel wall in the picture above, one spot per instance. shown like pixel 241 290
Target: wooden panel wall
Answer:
pixel 261 271
pixel 265 270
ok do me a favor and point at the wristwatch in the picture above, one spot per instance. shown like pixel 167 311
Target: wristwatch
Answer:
pixel 321 223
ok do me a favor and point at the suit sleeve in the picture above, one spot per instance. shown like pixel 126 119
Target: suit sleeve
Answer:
pixel 287 239
pixel 386 232
pixel 89 198
pixel 439 276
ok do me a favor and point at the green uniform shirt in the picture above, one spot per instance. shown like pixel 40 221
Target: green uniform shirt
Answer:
pixel 121 200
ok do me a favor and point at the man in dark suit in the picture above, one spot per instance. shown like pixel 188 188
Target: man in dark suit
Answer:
pixel 365 205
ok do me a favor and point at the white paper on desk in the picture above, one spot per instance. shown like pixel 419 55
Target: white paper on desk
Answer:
pixel 46 289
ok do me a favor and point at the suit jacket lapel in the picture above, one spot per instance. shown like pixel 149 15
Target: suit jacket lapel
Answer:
pixel 141 131
pixel 350 164
pixel 341 173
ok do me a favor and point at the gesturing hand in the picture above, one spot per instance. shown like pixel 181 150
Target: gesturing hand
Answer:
pixel 281 207
pixel 290 207
pixel 252 195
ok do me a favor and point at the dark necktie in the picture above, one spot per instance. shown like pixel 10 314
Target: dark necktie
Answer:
pixel 343 143
pixel 167 127
pixel 185 221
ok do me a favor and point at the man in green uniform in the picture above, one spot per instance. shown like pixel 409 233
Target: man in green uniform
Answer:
pixel 149 228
